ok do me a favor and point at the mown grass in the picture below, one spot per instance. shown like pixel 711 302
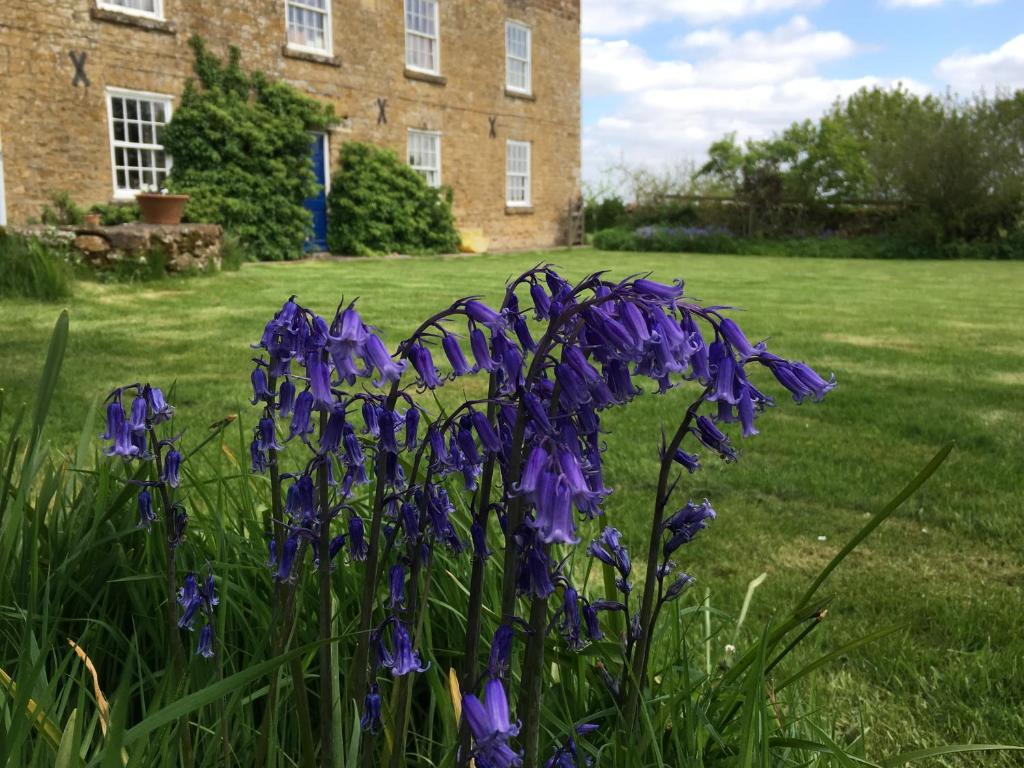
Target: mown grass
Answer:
pixel 923 351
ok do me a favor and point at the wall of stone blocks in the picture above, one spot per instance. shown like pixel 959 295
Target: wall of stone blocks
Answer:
pixel 55 134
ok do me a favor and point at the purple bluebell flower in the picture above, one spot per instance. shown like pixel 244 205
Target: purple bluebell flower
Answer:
pixel 190 601
pixel 204 647
pixel 138 413
pixel 370 721
pixel 534 575
pixel 404 658
pixel 802 381
pixel 501 652
pixel 479 536
pixel 302 417
pixel 535 465
pixel 554 520
pixel 541 301
pixel 371 418
pixel 591 622
pixel 260 388
pixel 330 437
pixel 485 431
pixel 522 331
pixel 732 333
pixel 159 410
pixel 491 726
pixel 608 548
pixel 378 357
pixel 685 524
pixel 538 414
pixel 180 519
pixel 118 432
pixel 712 437
pixel 258 457
pixel 569 625
pixel 146 514
pixel 396 587
pixel 319 380
pixel 678 586
pixel 659 291
pixel 481 351
pixel 484 315
pixel 688 460
pixel 387 427
pixel 358 546
pixel 266 435
pixel 172 468
pixel 423 362
pixel 286 398
pixel 287 559
pixel 412 427
pixel 455 356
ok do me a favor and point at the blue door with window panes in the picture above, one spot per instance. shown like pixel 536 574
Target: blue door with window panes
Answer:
pixel 317 205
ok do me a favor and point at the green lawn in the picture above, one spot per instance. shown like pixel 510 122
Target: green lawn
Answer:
pixel 923 351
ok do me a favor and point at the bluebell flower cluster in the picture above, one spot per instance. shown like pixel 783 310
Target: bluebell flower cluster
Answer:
pixel 355 411
pixel 197 600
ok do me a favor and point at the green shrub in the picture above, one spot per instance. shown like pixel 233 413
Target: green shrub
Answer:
pixel 241 151
pixel 232 255
pixel 378 204
pixel 604 214
pixel 65 212
pixel 115 214
pixel 32 269
pixel 709 240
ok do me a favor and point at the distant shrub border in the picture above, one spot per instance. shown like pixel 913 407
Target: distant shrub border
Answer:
pixel 720 241
pixel 378 204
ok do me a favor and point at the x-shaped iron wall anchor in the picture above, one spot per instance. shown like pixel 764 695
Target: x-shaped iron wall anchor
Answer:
pixel 78 59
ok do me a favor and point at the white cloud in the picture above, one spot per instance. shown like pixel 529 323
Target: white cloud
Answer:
pixel 614 17
pixel 1001 68
pixel 753 83
pixel 933 3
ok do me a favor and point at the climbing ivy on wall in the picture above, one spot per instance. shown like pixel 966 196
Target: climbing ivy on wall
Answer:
pixel 241 149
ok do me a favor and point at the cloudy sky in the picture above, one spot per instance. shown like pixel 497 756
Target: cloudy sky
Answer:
pixel 664 78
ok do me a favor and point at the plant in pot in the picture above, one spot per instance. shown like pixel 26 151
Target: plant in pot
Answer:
pixel 158 206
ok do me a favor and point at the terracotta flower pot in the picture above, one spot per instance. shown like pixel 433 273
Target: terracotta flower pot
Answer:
pixel 161 209
pixel 93 220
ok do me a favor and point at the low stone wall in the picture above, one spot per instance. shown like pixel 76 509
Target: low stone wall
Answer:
pixel 184 247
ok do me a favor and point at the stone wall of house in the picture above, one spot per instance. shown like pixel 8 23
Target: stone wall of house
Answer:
pixel 55 133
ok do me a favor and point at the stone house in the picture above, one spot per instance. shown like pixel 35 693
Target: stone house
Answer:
pixel 482 96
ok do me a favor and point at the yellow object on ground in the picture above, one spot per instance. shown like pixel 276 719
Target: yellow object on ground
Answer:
pixel 474 241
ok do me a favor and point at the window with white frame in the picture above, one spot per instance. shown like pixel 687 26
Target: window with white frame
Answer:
pixel 309 25
pixel 517 173
pixel 425 155
pixel 422 45
pixel 151 8
pixel 136 121
pixel 518 57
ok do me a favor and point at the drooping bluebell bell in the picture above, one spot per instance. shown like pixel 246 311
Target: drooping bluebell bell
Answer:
pixel 286 397
pixel 258 457
pixel 138 415
pixel 541 301
pixel 204 647
pixel 501 652
pixel 659 291
pixel 331 435
pixel 554 519
pixel 412 427
pixel 118 432
pixel 396 587
pixel 455 355
pixel 567 755
pixel 260 388
pixel 404 660
pixel 370 721
pixel 712 437
pixel 484 315
pixel 423 362
pixel 533 578
pixel 608 548
pixel 485 431
pixel 687 460
pixel 378 357
pixel 678 586
pixel 319 379
pixel 159 410
pixel 180 524
pixel 172 468
pixel 479 536
pixel 591 622
pixel 190 601
pixel 686 523
pixel 491 726
pixel 146 514
pixel 735 336
pixel 358 547
pixel 287 560
pixel 266 435
pixel 371 418
pixel 388 427
pixel 569 624
pixel 302 417
pixel 481 351
pixel 800 379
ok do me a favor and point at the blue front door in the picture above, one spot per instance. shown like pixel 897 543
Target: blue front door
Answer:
pixel 317 205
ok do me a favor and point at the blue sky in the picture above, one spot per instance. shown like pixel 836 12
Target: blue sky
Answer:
pixel 664 78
